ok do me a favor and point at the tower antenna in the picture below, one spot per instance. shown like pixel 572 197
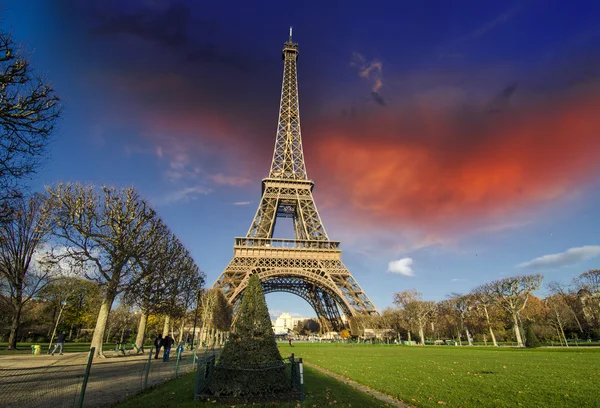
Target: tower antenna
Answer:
pixel 290 33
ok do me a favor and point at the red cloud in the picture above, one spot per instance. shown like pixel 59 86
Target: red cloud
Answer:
pixel 434 169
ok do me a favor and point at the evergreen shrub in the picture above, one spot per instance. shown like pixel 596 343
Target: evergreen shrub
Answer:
pixel 250 364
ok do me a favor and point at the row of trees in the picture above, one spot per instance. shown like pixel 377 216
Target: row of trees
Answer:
pixel 487 311
pixel 110 237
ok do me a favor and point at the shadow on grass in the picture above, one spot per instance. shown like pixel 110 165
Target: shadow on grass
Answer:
pixel 321 390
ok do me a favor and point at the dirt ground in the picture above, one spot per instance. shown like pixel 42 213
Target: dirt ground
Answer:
pixel 55 381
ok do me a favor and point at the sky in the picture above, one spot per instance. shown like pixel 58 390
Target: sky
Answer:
pixel 450 144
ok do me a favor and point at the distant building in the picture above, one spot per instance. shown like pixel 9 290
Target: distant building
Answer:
pixel 285 323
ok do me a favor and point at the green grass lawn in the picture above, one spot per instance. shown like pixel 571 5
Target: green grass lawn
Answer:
pixel 322 391
pixel 465 376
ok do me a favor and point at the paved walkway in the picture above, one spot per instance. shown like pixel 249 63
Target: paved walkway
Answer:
pixel 379 395
pixel 44 380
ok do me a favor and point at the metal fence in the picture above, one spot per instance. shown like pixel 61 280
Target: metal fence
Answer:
pixel 293 369
pixel 78 380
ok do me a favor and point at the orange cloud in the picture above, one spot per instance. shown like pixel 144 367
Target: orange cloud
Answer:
pixel 435 170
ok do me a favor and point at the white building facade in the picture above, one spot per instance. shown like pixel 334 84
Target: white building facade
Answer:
pixel 286 323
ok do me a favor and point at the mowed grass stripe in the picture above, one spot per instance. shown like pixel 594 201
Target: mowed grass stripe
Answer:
pixel 466 376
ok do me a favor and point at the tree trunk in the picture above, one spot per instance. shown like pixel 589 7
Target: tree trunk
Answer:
pixel 122 334
pixel 181 332
pixel 16 320
pixel 469 339
pixel 422 335
pixel 165 331
pixel 487 318
pixel 560 327
pixel 108 333
pixel 139 340
pixel 517 331
pixel 101 324
pixel 409 335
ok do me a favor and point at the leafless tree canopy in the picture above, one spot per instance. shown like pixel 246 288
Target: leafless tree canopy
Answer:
pixel 28 112
pixel 20 236
pixel 103 233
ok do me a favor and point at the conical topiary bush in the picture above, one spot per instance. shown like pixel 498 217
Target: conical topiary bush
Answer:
pixel 531 340
pixel 250 364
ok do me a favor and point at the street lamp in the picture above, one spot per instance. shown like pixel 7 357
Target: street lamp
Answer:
pixel 63 303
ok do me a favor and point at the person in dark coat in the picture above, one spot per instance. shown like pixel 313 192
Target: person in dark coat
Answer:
pixel 60 342
pixel 158 341
pixel 167 342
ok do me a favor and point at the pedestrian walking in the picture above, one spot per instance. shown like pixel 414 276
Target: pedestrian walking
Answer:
pixel 290 340
pixel 158 343
pixel 60 342
pixel 167 342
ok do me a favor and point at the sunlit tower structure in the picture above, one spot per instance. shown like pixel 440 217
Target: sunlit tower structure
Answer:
pixel 310 265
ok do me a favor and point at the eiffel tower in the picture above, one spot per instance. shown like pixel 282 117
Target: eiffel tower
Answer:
pixel 310 265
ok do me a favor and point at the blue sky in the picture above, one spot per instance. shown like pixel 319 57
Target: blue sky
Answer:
pixel 463 137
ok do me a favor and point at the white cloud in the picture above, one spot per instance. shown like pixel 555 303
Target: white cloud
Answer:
pixel 401 266
pixel 242 202
pixel 570 257
pixel 185 195
pixel 235 181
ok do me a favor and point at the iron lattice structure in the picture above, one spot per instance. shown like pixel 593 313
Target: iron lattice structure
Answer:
pixel 309 266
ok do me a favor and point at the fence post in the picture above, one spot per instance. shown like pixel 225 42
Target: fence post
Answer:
pixel 301 379
pixel 86 376
pixel 292 369
pixel 194 364
pixel 197 383
pixel 177 362
pixel 147 369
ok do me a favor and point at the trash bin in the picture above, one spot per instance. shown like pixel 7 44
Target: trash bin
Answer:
pixel 37 349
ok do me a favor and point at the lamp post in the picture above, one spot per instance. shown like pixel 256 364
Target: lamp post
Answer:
pixel 62 306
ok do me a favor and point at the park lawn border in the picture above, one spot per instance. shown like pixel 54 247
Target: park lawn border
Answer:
pixel 321 390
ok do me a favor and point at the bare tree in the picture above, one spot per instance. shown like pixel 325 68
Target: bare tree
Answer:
pixel 463 305
pixel 189 282
pixel 588 285
pixel 484 300
pixel 28 111
pixel 217 316
pixel 418 311
pixel 20 236
pixel 152 293
pixel 559 313
pixel 568 298
pixel 103 233
pixel 513 294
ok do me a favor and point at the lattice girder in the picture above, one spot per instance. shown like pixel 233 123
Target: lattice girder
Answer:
pixel 329 274
pixel 288 157
pixel 310 265
pixel 283 198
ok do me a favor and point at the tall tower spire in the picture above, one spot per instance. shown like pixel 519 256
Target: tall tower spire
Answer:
pixel 288 158
pixel 309 265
